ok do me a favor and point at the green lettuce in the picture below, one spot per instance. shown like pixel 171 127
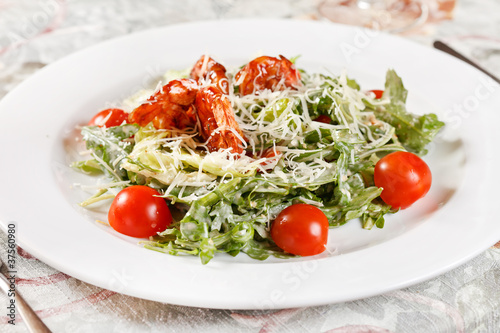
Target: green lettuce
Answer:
pixel 110 146
pixel 413 131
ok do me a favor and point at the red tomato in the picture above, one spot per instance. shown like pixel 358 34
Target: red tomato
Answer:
pixel 136 212
pixel 405 178
pixel 109 118
pixel 378 93
pixel 301 229
pixel 324 119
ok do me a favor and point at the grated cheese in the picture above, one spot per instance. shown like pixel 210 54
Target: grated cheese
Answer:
pixel 178 158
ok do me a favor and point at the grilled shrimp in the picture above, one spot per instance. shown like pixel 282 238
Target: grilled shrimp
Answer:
pixel 210 70
pixel 170 107
pixel 267 73
pixel 218 125
pixel 179 103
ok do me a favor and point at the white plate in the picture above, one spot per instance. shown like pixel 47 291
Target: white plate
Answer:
pixel 456 221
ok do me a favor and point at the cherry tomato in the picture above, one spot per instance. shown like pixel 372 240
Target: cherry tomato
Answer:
pixel 109 118
pixel 378 93
pixel 405 178
pixel 136 212
pixel 324 119
pixel 301 229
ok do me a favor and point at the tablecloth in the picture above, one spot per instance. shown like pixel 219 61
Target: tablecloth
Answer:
pixel 36 33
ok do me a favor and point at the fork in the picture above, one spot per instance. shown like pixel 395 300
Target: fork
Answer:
pixel 446 48
pixel 31 319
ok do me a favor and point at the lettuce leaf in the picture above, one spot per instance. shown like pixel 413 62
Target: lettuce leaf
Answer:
pixel 413 131
pixel 110 147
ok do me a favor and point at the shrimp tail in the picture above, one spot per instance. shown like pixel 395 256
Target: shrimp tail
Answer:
pixel 212 72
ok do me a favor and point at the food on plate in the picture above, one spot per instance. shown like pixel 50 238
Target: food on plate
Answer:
pixel 169 107
pixel 138 211
pixel 301 229
pixel 212 72
pixel 377 93
pixel 267 73
pixel 260 159
pixel 181 102
pixel 405 178
pixel 109 118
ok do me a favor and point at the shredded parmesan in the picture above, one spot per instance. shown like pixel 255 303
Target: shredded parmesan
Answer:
pixel 268 120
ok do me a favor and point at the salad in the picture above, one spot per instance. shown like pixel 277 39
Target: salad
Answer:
pixel 263 159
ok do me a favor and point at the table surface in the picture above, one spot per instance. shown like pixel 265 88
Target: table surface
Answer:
pixel 36 33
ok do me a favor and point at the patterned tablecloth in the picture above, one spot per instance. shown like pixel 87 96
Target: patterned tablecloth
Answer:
pixel 36 33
